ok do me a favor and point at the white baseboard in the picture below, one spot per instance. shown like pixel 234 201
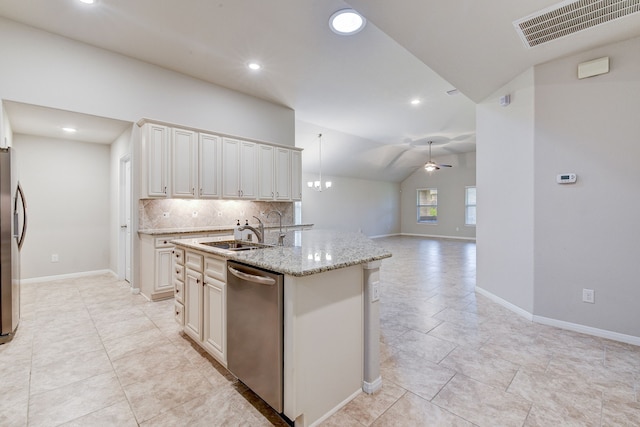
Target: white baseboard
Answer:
pixel 384 235
pixel 372 387
pixel 506 304
pixel 588 330
pixel 67 276
pixel 436 236
pixel 602 333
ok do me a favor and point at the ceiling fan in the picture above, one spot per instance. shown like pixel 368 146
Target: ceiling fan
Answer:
pixel 431 166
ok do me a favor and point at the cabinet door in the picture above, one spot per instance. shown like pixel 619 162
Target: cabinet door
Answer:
pixel 266 160
pixel 296 175
pixel 209 166
pixel 184 155
pixel 230 165
pixel 157 147
pixel 248 170
pixel 214 335
pixel 164 270
pixel 193 304
pixel 283 174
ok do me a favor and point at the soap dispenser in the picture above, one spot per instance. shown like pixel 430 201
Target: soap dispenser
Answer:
pixel 237 234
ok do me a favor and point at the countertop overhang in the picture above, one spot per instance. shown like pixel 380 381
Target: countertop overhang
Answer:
pixel 305 252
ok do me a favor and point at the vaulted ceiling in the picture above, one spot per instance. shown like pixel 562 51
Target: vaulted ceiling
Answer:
pixel 355 90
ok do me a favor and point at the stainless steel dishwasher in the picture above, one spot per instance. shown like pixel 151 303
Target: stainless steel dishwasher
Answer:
pixel 255 330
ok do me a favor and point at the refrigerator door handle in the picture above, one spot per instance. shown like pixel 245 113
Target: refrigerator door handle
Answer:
pixel 20 238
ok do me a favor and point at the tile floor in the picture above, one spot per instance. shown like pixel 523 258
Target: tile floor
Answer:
pixel 88 353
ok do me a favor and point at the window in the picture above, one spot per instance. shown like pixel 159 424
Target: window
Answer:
pixel 470 206
pixel 428 205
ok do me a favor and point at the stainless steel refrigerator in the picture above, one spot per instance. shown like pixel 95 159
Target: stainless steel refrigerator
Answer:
pixel 13 226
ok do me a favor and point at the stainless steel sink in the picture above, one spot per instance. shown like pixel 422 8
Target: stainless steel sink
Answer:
pixel 235 246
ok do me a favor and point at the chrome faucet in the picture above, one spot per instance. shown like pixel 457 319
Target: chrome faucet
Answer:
pixel 281 235
pixel 259 232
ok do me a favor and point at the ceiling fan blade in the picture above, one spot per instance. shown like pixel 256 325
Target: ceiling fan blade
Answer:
pixel 445 166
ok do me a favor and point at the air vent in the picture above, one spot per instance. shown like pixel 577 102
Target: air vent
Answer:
pixel 570 17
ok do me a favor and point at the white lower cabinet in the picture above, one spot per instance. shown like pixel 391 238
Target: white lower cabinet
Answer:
pixel 205 301
pixel 158 256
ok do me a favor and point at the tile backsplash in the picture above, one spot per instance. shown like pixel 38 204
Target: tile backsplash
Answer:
pixel 183 213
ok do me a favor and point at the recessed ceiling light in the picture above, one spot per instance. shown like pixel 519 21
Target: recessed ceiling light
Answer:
pixel 69 129
pixel 415 101
pixel 254 66
pixel 346 22
pixel 87 1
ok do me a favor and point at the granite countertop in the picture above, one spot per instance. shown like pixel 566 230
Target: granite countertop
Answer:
pixel 305 252
pixel 206 229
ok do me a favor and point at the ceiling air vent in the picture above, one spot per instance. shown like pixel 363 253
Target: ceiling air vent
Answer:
pixel 569 17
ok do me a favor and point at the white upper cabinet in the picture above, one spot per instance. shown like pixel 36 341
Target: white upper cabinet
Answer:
pixel 248 170
pixel 230 165
pixel 184 163
pixel 239 165
pixel 296 175
pixel 209 166
pixel 156 145
pixel 282 176
pixel 266 163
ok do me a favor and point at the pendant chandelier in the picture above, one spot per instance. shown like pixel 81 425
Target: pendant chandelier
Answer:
pixel 318 185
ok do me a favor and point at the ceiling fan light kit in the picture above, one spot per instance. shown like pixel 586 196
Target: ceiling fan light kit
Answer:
pixel 431 166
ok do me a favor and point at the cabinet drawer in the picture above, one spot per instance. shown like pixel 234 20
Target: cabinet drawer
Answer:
pixel 178 272
pixel 193 261
pixel 178 311
pixel 215 268
pixel 178 290
pixel 178 256
pixel 164 242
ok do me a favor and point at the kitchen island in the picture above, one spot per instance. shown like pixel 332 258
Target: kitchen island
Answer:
pixel 330 313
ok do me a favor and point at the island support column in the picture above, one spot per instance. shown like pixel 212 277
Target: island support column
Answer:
pixel 372 381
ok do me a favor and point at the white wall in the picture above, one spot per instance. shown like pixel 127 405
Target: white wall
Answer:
pixel 541 243
pixel 504 234
pixel 44 69
pixel 586 235
pixel 371 207
pixel 66 185
pixel 451 183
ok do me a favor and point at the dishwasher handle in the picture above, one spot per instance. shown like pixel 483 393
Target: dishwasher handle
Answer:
pixel 260 280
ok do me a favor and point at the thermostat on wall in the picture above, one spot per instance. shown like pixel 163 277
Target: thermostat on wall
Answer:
pixel 566 178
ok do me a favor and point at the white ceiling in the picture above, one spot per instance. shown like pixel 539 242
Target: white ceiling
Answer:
pixel 43 121
pixel 354 90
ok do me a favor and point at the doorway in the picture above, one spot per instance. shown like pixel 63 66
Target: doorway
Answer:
pixel 124 264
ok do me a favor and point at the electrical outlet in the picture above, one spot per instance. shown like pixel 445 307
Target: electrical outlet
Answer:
pixel 589 295
pixel 165 214
pixel 54 257
pixel 375 291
